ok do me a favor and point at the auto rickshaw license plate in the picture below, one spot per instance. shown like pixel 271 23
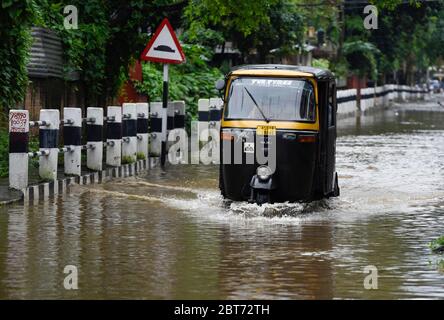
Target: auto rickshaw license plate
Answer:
pixel 266 130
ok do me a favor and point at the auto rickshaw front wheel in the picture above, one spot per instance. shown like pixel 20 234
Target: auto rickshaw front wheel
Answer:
pixel 221 182
pixel 262 196
pixel 336 191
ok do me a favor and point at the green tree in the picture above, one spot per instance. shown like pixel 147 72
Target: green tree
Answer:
pixel 284 31
pixel 229 16
pixel 259 25
pixel 401 39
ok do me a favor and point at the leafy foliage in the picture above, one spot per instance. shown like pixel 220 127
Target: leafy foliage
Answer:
pixel 321 63
pixel 284 31
pixel 110 35
pixel 229 15
pixel 16 17
pixel 85 47
pixel 4 152
pixel 393 4
pixel 252 24
pixel 403 39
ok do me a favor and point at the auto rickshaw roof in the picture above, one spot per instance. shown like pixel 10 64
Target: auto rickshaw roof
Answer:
pixel 282 70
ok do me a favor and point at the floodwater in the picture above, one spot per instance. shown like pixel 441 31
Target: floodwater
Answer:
pixel 173 237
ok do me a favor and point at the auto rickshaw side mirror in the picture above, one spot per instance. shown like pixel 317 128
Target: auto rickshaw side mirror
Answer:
pixel 220 84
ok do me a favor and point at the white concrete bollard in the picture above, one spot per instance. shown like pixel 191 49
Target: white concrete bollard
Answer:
pixel 179 114
pixel 18 149
pixel 170 123
pixel 178 151
pixel 385 95
pixel 158 125
pixel 179 128
pixel 170 116
pixel 142 130
pixel 346 101
pixel 94 144
pixel 379 96
pixel 392 94
pixel 215 109
pixel 403 93
pixel 203 118
pixel 129 133
pixel 114 137
pixel 72 136
pixel 49 142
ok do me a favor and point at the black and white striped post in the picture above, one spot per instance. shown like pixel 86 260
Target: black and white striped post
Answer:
pixel 72 136
pixel 177 137
pixel 179 128
pixel 114 136
pixel 49 143
pixel 215 113
pixel 170 122
pixel 129 129
pixel 157 128
pixel 142 129
pixel 179 114
pixel 94 132
pixel 203 106
pixel 18 149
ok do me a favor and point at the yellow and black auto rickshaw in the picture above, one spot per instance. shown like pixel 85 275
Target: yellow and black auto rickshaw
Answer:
pixel 278 134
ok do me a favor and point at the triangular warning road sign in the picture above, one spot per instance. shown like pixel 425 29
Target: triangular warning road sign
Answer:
pixel 164 46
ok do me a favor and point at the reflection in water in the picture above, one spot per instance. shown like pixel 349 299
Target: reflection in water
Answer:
pixel 173 236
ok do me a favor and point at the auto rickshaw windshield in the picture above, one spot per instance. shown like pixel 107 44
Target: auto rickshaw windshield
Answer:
pixel 271 99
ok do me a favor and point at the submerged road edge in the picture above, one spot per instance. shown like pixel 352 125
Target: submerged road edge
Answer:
pixel 43 191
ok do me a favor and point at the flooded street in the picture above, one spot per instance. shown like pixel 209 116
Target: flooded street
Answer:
pixel 173 237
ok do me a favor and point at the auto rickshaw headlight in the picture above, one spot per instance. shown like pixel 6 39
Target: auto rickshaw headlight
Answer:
pixel 264 173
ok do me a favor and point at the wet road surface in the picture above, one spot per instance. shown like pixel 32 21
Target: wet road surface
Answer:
pixel 172 236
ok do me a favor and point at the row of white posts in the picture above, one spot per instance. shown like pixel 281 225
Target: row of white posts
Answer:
pixel 348 101
pixel 129 130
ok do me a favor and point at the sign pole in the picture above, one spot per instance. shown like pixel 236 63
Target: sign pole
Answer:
pixel 165 106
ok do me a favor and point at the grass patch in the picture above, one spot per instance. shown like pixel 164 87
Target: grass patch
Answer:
pixel 141 156
pixel 128 159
